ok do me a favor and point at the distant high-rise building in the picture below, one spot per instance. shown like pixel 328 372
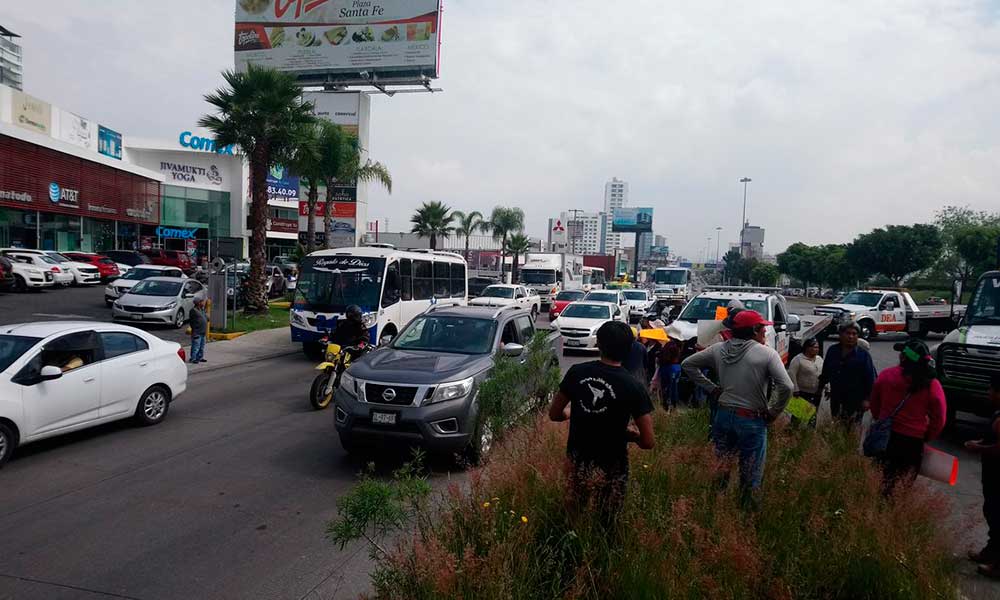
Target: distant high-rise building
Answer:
pixel 660 240
pixel 753 242
pixel 10 60
pixel 615 196
pixel 645 245
pixel 584 232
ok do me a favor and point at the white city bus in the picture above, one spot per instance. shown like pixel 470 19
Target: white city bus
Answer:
pixel 391 287
pixel 593 278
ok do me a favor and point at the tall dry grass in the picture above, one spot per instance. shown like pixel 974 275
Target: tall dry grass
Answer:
pixel 822 530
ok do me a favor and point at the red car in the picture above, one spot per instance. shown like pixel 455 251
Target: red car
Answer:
pixel 562 299
pixel 107 267
pixel 171 258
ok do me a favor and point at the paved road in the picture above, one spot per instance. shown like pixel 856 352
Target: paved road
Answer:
pixel 69 303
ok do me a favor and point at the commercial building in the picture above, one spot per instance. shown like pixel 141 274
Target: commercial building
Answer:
pixel 645 245
pixel 615 196
pixel 11 60
pixel 63 185
pixel 584 231
pixel 753 242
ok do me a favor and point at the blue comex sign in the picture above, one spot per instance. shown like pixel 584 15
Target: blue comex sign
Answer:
pixel 182 234
pixel 195 142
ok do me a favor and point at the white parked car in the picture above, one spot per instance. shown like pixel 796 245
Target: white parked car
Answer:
pixel 27 274
pixel 579 321
pixel 57 377
pixel 616 297
pixel 119 287
pixel 505 294
pixel 639 302
pixel 67 271
pixel 40 261
pixel 159 300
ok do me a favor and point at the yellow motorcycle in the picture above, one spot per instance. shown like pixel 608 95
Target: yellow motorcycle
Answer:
pixel 336 361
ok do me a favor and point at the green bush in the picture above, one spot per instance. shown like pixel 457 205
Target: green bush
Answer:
pixel 822 531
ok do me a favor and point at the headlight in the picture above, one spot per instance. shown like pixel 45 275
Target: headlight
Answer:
pixel 298 319
pixel 451 391
pixel 169 306
pixel 369 320
pixel 117 304
pixel 350 385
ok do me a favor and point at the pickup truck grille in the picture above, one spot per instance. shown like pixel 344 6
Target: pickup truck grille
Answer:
pixel 969 365
pixel 404 394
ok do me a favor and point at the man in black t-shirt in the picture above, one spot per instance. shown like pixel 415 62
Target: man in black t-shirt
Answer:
pixel 600 399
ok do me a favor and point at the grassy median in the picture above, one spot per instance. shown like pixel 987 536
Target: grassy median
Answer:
pixel 822 531
pixel 274 318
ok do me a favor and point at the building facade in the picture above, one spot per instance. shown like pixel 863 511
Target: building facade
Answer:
pixel 584 232
pixel 753 242
pixel 645 244
pixel 11 60
pixel 615 196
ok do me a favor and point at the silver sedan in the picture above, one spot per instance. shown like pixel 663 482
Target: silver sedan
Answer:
pixel 159 300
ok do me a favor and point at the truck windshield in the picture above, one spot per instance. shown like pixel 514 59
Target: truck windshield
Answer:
pixel 984 309
pixel 455 335
pixel 670 277
pixel 862 298
pixel 332 283
pixel 703 309
pixel 538 276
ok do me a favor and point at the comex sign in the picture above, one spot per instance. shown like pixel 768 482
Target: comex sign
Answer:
pixel 190 140
pixel 183 234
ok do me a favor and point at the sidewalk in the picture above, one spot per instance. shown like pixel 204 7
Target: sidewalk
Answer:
pixel 252 347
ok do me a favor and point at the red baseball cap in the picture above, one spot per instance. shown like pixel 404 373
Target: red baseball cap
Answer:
pixel 749 318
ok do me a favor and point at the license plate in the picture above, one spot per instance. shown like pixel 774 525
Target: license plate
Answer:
pixel 379 418
pixel 136 317
pixel 573 342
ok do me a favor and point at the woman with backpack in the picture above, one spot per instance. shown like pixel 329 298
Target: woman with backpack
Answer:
pixel 913 398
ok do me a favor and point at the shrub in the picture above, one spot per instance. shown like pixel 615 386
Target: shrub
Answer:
pixel 822 531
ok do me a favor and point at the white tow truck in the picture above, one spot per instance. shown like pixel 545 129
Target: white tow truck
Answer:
pixel 673 285
pixel 890 310
pixel 505 294
pixel 549 273
pixel 705 310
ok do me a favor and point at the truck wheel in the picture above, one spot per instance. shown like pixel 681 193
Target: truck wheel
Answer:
pixel 868 331
pixel 479 446
pixel 534 313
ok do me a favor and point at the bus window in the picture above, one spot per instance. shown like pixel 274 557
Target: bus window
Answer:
pixel 391 293
pixel 406 278
pixel 442 280
pixel 423 280
pixel 457 280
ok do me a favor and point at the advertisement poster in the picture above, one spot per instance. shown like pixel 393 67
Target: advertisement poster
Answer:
pixel 342 232
pixel 340 209
pixel 109 142
pixel 282 225
pixel 192 171
pixel 348 37
pixel 281 185
pixel 632 220
pixel 76 130
pixel 31 113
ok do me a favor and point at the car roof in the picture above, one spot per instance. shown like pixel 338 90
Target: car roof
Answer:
pixel 43 329
pixel 156 267
pixel 476 312
pixel 735 295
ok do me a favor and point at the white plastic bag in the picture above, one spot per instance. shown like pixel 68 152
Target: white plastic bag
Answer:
pixel 866 423
pixel 824 416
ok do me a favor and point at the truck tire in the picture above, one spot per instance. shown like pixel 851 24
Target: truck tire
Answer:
pixel 868 331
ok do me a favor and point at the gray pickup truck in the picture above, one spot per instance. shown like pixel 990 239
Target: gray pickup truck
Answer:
pixel 422 387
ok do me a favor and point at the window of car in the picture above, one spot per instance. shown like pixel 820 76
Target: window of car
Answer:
pixel 12 347
pixel 526 327
pixel 498 291
pixel 519 293
pixel 192 287
pixel 570 296
pixel 120 343
pixel 779 314
pixel 69 352
pixel 636 295
pixel 510 334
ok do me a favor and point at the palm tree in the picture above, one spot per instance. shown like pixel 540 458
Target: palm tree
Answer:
pixel 431 220
pixel 261 111
pixel 517 245
pixel 308 165
pixel 503 222
pixel 468 224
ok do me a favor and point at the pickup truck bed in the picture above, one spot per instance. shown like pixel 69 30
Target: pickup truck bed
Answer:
pixel 812 326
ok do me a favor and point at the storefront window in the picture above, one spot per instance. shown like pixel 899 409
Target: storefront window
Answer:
pixel 128 236
pixel 18 228
pixel 196 209
pixel 60 232
pixel 98 235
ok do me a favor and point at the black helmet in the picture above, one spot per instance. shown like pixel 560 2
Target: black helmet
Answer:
pixel 354 313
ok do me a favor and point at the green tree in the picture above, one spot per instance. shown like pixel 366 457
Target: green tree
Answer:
pixel 342 164
pixel 977 247
pixel 802 262
pixel 954 221
pixel 467 224
pixel 260 111
pixel 517 245
pixel 308 165
pixel 896 251
pixel 835 270
pixel 503 222
pixel 764 274
pixel 431 220
pixel 732 266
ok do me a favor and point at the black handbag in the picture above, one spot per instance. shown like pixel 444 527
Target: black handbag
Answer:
pixel 877 439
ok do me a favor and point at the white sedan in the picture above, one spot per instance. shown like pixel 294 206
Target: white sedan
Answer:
pixel 579 321
pixel 58 377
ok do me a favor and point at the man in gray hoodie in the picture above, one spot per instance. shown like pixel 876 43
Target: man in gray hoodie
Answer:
pixel 747 370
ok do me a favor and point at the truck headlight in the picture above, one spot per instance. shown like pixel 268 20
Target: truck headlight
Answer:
pixel 451 391
pixel 350 385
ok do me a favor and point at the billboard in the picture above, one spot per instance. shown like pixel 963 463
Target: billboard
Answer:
pixel 281 185
pixel 345 39
pixel 31 113
pixel 632 220
pixel 76 130
pixel 109 142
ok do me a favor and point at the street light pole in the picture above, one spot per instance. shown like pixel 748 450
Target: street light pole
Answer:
pixel 743 225
pixel 718 245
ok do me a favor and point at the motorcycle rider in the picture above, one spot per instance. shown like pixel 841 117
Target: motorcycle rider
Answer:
pixel 351 332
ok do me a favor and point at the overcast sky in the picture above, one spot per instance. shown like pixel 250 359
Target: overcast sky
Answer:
pixel 847 115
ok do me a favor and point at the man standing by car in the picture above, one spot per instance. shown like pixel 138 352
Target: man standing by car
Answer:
pixel 747 368
pixel 849 370
pixel 599 399
pixel 199 329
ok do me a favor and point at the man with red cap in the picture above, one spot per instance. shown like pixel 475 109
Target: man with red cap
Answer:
pixel 746 368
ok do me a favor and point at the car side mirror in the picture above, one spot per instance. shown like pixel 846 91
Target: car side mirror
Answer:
pixel 385 341
pixel 512 349
pixel 794 324
pixel 189 295
pixel 49 372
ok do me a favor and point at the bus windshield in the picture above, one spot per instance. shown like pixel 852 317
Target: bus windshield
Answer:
pixel 670 276
pixel 538 276
pixel 332 283
pixel 984 309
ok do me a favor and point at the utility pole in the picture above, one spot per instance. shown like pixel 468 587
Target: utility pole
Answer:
pixel 718 245
pixel 743 225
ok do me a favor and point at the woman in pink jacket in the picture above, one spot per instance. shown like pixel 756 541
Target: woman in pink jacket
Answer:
pixel 921 417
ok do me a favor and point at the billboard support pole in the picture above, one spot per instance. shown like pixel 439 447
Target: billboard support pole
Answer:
pixel 635 259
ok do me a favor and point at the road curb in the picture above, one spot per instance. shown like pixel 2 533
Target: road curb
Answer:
pixel 245 362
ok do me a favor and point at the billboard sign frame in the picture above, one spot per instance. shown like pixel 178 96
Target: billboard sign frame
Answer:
pixel 632 220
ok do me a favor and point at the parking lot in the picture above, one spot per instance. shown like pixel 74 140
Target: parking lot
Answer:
pixel 69 304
